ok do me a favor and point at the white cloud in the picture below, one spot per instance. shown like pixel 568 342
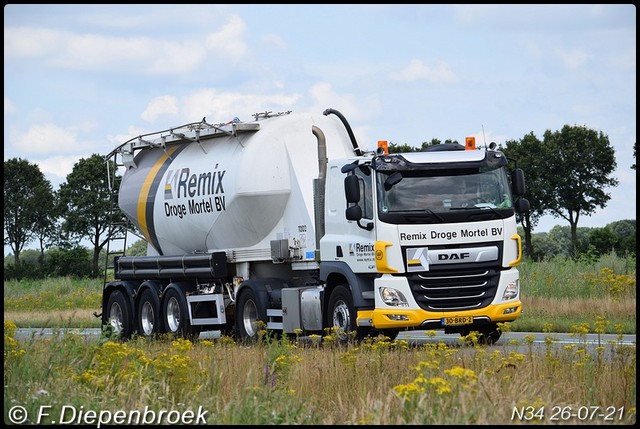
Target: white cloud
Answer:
pixel 228 41
pixel 572 60
pixel 47 138
pixel 29 42
pixel 417 70
pixel 274 40
pixel 88 52
pixel 324 96
pixel 219 106
pixel 58 168
pixel 9 108
pixel 163 105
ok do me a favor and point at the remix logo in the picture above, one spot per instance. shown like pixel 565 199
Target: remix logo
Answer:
pixel 181 183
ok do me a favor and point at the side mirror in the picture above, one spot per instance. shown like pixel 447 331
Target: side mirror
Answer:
pixel 352 189
pixel 353 213
pixel 522 205
pixel 517 182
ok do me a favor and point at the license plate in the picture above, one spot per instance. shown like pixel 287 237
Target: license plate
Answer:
pixel 457 320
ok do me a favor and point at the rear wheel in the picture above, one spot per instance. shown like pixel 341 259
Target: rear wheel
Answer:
pixel 118 316
pixel 176 315
pixel 149 322
pixel 249 317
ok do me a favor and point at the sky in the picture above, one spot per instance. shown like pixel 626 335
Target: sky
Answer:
pixel 82 79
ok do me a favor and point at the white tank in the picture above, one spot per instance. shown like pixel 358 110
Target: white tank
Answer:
pixel 232 191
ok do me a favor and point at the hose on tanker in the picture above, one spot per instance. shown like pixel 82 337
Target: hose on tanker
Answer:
pixel 356 149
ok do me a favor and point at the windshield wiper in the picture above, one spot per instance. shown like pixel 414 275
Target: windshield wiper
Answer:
pixel 434 214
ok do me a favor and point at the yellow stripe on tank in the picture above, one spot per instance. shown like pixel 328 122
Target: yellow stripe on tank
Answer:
pixel 144 192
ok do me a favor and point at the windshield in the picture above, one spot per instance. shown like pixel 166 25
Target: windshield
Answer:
pixel 433 192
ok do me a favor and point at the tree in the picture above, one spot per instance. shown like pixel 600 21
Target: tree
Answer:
pixel 404 148
pixel 46 228
pixel 578 164
pixel 139 248
pixel 625 232
pixel 525 154
pixel 85 203
pixel 401 148
pixel 28 198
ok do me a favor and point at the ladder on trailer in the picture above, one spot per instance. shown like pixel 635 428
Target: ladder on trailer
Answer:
pixel 117 229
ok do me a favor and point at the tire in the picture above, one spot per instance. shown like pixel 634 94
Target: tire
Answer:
pixel 490 335
pixel 250 315
pixel 148 314
pixel 392 334
pixel 118 316
pixel 175 315
pixel 342 315
pixel 487 335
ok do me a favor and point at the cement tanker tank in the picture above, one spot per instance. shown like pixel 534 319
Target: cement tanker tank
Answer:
pixel 231 188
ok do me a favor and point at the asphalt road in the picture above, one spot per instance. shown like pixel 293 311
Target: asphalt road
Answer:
pixel 520 339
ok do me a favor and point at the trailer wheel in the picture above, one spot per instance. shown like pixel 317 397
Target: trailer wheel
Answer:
pixel 149 322
pixel 119 319
pixel 342 315
pixel 249 317
pixel 176 315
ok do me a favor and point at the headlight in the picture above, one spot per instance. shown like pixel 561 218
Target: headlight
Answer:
pixel 511 291
pixel 393 297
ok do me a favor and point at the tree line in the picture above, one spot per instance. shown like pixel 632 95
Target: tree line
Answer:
pixel 567 171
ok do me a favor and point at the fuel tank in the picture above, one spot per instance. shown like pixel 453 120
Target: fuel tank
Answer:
pixel 239 189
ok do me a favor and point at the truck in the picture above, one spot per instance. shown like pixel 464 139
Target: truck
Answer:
pixel 284 225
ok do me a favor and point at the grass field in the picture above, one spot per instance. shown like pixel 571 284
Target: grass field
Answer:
pixel 556 295
pixel 74 380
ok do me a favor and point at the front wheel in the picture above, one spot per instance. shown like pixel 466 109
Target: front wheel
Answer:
pixel 342 315
pixel 486 335
pixel 392 334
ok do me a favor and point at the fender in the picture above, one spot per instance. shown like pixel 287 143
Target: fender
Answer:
pixel 267 290
pixel 361 286
pixel 130 289
pixel 156 287
pixel 182 287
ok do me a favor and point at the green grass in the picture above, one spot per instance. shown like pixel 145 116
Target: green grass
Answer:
pixel 556 295
pixel 376 382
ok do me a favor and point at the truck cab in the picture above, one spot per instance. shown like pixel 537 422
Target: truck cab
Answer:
pixel 431 237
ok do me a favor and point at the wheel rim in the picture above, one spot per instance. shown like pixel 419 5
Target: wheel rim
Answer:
pixel 116 318
pixel 250 318
pixel 341 316
pixel 147 318
pixel 173 315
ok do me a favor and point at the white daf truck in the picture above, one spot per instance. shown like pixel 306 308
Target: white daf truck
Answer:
pixel 285 224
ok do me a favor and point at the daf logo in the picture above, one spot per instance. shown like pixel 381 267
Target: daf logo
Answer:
pixel 453 256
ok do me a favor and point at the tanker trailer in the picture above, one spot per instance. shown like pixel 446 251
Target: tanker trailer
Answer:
pixel 229 215
pixel 283 223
